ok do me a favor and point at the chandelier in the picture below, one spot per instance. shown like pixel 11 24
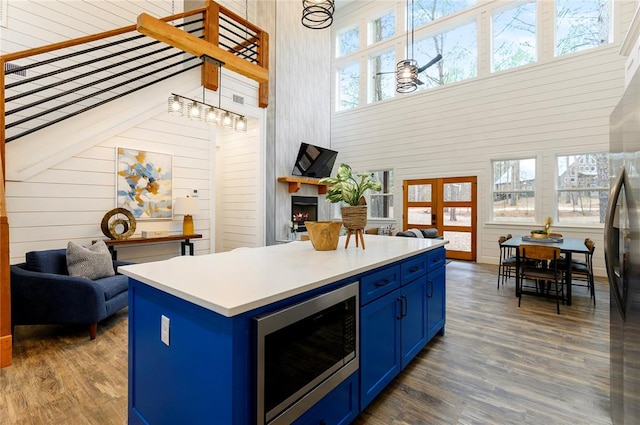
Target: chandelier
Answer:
pixel 317 14
pixel 198 111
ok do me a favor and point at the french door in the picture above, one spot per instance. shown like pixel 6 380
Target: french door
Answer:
pixel 448 205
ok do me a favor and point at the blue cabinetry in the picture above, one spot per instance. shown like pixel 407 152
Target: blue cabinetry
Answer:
pixel 399 318
pixel 436 299
pixel 207 372
pixel 339 407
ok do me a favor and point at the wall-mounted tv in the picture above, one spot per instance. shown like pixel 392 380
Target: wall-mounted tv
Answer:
pixel 314 161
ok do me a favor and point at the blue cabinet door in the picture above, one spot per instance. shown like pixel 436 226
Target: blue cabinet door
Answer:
pixel 436 302
pixel 379 345
pixel 414 319
pixel 339 407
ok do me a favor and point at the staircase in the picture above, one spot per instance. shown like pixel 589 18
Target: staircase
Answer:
pixel 67 79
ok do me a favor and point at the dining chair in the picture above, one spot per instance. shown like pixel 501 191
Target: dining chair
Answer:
pixel 582 269
pixel 507 264
pixel 538 263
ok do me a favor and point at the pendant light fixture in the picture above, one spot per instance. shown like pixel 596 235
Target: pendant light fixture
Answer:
pixel 212 115
pixel 407 69
pixel 317 14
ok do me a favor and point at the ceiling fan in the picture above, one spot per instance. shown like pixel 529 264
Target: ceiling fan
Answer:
pixel 407 71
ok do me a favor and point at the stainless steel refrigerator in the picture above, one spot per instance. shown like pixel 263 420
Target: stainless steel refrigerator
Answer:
pixel 622 256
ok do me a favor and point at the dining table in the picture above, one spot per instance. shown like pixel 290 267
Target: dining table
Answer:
pixel 568 247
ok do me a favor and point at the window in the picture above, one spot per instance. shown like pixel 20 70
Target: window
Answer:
pixel 582 188
pixel 514 37
pixel 514 190
pixel 581 24
pixel 348 42
pixel 381 203
pixel 459 48
pixel 348 86
pixel 425 11
pixel 382 28
pixel 382 69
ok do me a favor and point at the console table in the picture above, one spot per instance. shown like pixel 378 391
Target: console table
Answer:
pixel 186 242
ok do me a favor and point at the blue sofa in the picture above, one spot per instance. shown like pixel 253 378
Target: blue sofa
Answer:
pixel 42 292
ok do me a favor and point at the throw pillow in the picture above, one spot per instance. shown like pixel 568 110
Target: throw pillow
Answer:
pixel 91 262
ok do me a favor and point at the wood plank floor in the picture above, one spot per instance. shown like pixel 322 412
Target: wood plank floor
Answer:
pixel 496 364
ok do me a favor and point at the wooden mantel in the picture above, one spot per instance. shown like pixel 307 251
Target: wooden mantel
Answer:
pixel 296 182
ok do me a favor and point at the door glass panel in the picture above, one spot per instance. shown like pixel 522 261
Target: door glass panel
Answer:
pixel 457 216
pixel 458 241
pixel 419 193
pixel 419 215
pixel 457 192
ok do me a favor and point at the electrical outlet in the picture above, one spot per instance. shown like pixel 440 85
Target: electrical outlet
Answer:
pixel 164 330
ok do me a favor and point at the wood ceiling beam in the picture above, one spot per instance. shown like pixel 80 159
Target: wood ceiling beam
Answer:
pixel 161 31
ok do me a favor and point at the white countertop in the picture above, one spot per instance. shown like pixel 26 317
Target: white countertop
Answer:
pixel 237 281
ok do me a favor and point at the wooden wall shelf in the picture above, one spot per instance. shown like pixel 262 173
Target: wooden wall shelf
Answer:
pixel 296 182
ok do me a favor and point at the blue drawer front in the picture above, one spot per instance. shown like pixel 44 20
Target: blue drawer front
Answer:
pixel 436 258
pixel 413 268
pixel 339 407
pixel 377 284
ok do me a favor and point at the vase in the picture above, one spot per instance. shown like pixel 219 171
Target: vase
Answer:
pixel 323 234
pixel 354 217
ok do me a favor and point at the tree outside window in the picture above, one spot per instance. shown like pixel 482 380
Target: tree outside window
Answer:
pixel 381 203
pixel 582 188
pixel 459 48
pixel 348 42
pixel 382 69
pixel 581 24
pixel 382 28
pixel 426 11
pixel 348 86
pixel 514 37
pixel 513 197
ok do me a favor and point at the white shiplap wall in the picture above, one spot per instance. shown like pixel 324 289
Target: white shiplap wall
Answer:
pixel 299 106
pixel 66 199
pixel 554 107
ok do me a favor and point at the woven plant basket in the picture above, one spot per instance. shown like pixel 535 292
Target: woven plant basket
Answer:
pixel 354 217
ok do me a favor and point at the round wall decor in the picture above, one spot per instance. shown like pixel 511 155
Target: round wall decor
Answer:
pixel 115 227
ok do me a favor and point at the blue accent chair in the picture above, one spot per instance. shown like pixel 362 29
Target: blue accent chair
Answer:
pixel 43 293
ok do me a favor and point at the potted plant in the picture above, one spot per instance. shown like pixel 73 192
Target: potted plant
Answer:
pixel 349 188
pixel 543 233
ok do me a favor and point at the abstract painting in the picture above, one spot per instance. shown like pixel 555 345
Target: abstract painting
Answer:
pixel 144 183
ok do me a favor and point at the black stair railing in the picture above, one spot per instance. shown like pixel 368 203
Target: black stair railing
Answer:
pixel 48 87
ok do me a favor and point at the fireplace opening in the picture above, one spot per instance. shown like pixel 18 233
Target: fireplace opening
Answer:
pixel 304 208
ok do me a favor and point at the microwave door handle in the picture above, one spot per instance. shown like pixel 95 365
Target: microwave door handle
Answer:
pixel 608 241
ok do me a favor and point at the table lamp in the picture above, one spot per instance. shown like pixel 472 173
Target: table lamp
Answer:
pixel 187 206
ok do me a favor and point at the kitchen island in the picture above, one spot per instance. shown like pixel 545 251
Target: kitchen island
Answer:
pixel 192 323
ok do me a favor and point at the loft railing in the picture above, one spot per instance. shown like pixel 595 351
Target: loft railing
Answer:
pixel 46 85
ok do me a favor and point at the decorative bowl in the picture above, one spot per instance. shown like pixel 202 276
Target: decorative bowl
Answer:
pixel 323 234
pixel 536 234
